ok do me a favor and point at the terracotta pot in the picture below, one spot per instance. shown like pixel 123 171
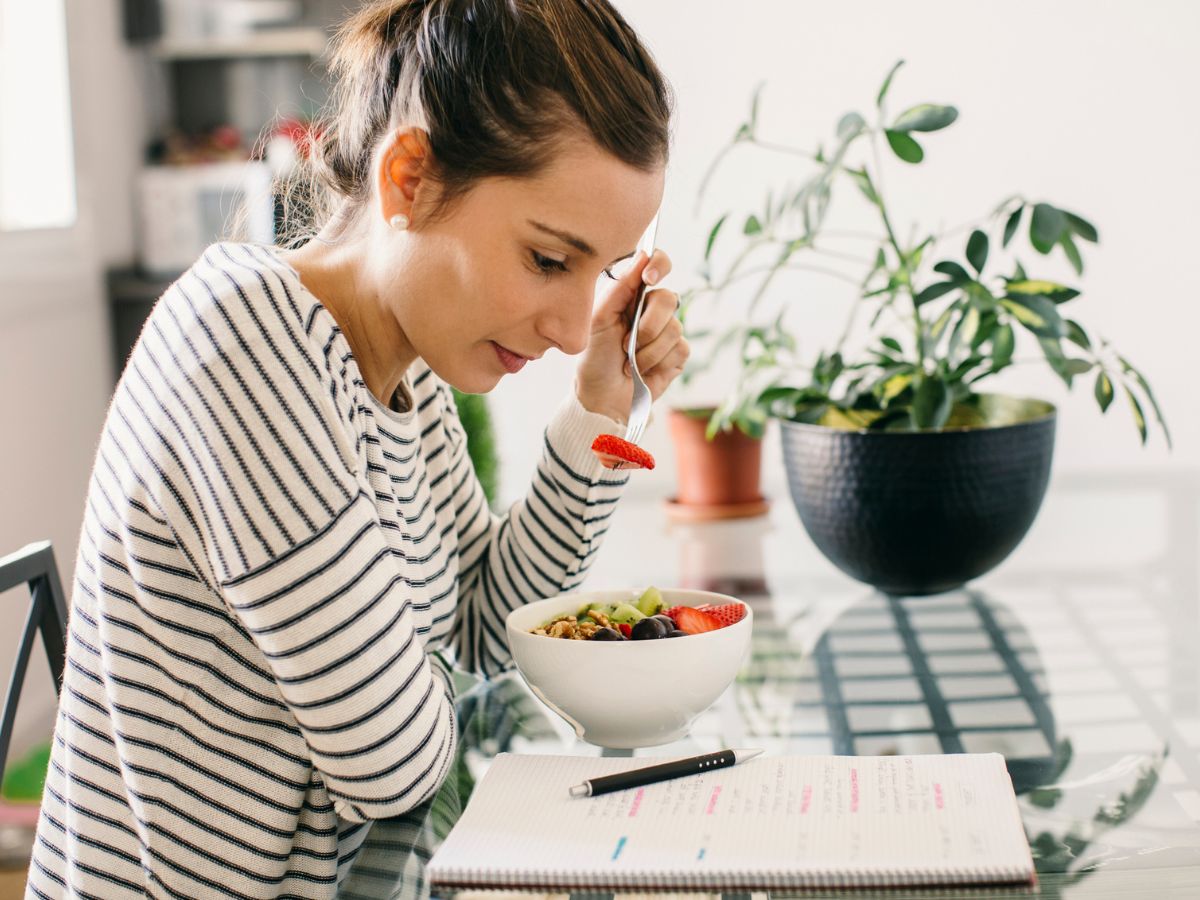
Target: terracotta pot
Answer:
pixel 722 472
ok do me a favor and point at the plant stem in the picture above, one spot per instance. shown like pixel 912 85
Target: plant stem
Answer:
pixel 859 235
pixel 784 148
pixel 918 329
pixel 837 254
pixel 823 270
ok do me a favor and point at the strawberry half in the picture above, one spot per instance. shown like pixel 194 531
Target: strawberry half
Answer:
pixel 615 452
pixel 728 613
pixel 693 621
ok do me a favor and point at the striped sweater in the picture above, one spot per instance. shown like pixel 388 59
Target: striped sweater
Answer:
pixel 268 560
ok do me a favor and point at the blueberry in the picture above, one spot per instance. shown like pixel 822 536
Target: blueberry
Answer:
pixel 666 620
pixel 607 634
pixel 648 629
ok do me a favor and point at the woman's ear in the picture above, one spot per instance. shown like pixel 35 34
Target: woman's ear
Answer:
pixel 403 172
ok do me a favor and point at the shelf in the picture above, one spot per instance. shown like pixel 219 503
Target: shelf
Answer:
pixel 266 43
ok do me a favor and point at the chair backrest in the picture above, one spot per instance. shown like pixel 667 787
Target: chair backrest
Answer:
pixel 33 565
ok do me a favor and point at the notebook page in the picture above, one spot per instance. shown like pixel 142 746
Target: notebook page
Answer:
pixel 799 815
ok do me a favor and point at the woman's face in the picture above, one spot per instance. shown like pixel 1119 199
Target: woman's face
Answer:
pixel 511 271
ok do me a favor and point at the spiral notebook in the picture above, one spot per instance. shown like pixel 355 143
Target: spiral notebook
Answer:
pixel 770 823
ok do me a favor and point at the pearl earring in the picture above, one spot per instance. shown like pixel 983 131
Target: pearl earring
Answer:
pixel 399 221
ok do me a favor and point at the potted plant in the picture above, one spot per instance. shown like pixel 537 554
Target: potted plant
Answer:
pixel 717 472
pixel 905 473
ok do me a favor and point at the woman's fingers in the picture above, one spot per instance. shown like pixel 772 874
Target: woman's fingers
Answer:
pixel 658 268
pixel 657 314
pixel 652 350
pixel 660 377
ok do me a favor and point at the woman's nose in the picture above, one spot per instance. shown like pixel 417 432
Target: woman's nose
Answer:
pixel 567 323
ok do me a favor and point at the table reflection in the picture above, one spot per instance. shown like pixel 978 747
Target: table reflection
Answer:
pixel 1076 660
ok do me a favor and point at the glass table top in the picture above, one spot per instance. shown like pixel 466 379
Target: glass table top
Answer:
pixel 1077 660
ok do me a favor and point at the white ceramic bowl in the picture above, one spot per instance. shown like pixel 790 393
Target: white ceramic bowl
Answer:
pixel 627 694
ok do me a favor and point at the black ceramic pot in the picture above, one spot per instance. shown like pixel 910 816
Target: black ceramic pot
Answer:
pixel 922 512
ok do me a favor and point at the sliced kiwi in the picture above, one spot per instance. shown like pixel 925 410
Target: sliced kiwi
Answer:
pixel 626 613
pixel 651 602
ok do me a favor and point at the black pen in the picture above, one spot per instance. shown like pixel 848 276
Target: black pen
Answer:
pixel 677 768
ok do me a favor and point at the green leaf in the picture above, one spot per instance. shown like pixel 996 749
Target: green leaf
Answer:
pixel 895 386
pixel 931 403
pixel 1139 417
pixel 935 290
pixel 1052 349
pixel 977 250
pixel 753 123
pixel 1077 336
pixel 863 180
pixel 1078 366
pixel 892 344
pixel 476 418
pixel 850 126
pixel 1145 386
pixel 1082 228
pixel 939 327
pixel 887 83
pixel 904 146
pixel 1003 345
pixel 752 226
pixel 916 254
pixel 1046 227
pixel 964 331
pixel 1010 227
pixel 925 117
pixel 880 263
pixel 1036 313
pixel 1103 390
pixel 712 236
pixel 964 368
pixel 956 272
pixel 970 325
pixel 1051 290
pixel 1072 253
pixel 987 327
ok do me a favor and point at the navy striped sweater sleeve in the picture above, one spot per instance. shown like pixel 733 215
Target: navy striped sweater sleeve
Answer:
pixel 543 546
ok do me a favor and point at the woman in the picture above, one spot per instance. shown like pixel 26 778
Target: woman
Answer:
pixel 283 523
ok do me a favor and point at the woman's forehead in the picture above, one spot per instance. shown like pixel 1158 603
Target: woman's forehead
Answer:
pixel 586 193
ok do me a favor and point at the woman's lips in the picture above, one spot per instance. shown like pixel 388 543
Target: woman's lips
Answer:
pixel 511 361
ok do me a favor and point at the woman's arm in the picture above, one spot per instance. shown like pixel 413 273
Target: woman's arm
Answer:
pixel 542 547
pixel 333 620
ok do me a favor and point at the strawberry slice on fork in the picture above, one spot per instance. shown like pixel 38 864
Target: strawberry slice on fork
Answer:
pixel 617 453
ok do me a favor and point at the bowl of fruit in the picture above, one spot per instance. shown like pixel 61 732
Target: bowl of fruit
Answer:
pixel 628 668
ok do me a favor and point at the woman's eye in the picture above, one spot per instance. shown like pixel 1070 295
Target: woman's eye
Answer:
pixel 547 265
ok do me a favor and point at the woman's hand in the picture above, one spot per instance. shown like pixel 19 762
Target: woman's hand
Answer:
pixel 603 381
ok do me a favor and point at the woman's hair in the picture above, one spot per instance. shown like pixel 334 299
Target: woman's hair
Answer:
pixel 496 84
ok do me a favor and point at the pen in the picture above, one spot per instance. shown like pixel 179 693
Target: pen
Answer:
pixel 677 768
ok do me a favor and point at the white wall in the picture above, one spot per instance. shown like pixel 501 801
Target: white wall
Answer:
pixel 1088 105
pixel 55 368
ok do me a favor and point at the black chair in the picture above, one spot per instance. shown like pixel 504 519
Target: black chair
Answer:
pixel 34 566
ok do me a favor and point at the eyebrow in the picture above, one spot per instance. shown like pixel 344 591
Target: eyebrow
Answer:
pixel 573 240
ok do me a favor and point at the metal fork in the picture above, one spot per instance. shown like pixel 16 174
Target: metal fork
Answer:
pixel 639 408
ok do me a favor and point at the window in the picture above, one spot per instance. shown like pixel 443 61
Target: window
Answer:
pixel 37 166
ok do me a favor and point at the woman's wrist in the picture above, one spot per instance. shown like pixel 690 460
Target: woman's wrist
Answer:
pixel 602 406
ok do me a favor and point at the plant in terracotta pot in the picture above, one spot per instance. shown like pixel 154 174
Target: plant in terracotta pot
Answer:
pixel 906 474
